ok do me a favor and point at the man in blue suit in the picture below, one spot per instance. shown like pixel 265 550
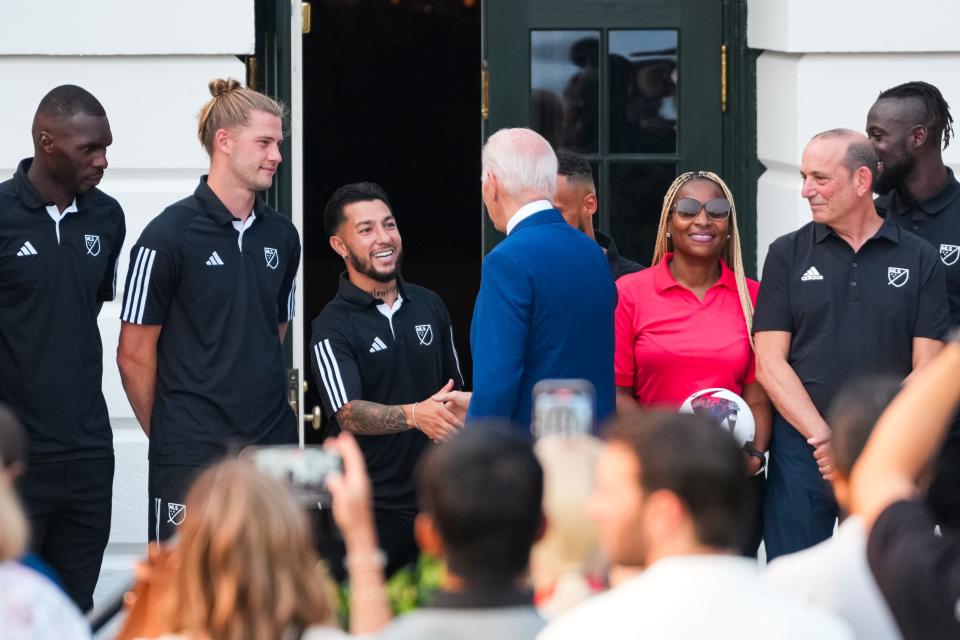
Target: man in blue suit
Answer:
pixel 546 301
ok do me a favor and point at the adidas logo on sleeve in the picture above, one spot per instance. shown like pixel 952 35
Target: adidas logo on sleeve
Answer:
pixel 27 250
pixel 377 345
pixel 811 274
pixel 214 260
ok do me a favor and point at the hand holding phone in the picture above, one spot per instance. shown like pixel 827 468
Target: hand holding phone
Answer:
pixel 352 493
pixel 304 471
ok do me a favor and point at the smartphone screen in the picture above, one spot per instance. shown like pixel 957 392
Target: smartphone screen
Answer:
pixel 563 407
pixel 303 471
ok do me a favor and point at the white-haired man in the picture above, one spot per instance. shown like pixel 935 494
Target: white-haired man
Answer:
pixel 546 301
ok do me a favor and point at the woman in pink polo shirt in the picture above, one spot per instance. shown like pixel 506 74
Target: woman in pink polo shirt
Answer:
pixel 685 323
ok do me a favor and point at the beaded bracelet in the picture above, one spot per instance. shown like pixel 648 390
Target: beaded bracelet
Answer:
pixel 415 416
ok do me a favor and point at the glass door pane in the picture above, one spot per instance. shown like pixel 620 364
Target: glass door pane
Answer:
pixel 642 91
pixel 565 88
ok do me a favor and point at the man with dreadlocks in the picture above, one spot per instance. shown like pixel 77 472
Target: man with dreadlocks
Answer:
pixel 845 295
pixel 907 125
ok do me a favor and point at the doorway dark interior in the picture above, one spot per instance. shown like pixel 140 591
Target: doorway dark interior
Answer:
pixel 391 94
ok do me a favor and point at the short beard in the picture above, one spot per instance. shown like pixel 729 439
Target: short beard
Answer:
pixel 372 273
pixel 894 175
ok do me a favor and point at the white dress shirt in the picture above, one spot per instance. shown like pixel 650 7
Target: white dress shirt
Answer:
pixel 526 211
pixel 834 575
pixel 696 597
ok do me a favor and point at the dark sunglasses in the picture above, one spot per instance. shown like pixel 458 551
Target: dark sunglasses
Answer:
pixel 718 208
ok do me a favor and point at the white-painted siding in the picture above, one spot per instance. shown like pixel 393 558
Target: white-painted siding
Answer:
pixel 149 65
pixel 824 64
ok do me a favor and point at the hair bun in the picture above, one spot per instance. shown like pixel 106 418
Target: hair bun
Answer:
pixel 220 86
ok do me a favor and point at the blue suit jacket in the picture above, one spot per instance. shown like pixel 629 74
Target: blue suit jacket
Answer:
pixel 545 310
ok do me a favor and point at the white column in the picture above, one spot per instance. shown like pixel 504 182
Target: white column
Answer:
pixel 823 65
pixel 149 65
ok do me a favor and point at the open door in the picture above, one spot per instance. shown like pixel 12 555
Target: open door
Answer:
pixel 276 70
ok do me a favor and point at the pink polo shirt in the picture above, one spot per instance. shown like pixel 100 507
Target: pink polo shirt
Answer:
pixel 670 344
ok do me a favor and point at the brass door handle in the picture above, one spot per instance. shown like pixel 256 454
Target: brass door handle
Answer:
pixel 314 418
pixel 723 78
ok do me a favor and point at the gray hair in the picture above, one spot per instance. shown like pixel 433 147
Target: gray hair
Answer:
pixel 859 152
pixel 523 161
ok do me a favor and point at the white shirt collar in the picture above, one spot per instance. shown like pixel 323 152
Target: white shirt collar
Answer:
pixel 242 226
pixel 526 211
pixel 55 213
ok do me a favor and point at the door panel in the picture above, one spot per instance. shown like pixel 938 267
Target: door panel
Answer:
pixel 634 86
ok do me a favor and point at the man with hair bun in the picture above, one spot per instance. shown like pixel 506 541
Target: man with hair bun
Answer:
pixel 546 300
pixel 208 296
pixel 60 238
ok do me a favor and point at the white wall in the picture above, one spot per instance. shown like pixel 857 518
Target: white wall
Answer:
pixel 149 64
pixel 126 27
pixel 821 69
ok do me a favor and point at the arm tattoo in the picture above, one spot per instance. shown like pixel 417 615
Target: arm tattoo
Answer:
pixel 371 418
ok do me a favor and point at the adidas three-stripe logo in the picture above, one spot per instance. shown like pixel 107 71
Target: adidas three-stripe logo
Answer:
pixel 214 260
pixel 138 286
pixel 27 250
pixel 330 374
pixel 377 345
pixel 811 274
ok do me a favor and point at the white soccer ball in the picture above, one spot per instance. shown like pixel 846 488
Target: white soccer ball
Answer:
pixel 725 408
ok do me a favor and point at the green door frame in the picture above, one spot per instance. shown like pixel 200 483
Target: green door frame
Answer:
pixel 739 165
pixel 741 168
pixel 269 73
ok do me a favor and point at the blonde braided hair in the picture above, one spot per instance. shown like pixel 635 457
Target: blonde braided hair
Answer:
pixel 731 252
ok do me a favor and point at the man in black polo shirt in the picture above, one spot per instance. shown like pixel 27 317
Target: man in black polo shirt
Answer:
pixel 917 191
pixel 918 571
pixel 576 198
pixel 381 349
pixel 846 294
pixel 59 242
pixel 205 309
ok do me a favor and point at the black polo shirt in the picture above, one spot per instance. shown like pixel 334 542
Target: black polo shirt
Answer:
pixel 359 353
pixel 53 279
pixel 220 295
pixel 851 313
pixel 917 571
pixel 937 221
pixel 619 265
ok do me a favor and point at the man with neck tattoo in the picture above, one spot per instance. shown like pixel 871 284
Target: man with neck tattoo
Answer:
pixel 381 349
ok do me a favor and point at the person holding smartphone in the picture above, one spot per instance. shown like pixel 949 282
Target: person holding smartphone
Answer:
pixel 685 323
